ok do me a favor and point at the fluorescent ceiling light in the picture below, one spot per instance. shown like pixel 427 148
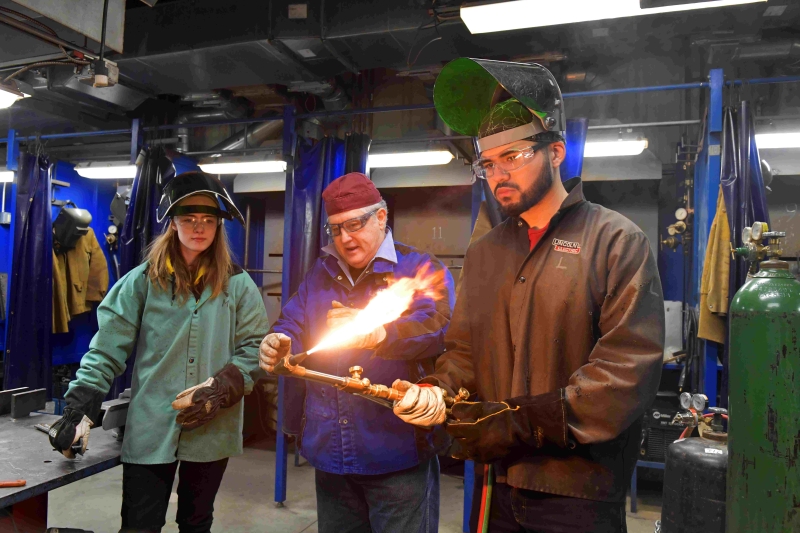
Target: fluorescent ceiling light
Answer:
pixel 614 148
pixel 10 94
pixel 778 140
pixel 106 170
pixel 409 159
pixel 538 13
pixel 6 176
pixel 244 167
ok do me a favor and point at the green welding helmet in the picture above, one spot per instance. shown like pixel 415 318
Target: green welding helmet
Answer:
pixel 499 102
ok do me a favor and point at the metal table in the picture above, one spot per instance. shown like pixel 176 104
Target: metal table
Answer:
pixel 25 453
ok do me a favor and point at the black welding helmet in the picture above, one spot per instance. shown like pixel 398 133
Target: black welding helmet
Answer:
pixel 500 102
pixel 196 182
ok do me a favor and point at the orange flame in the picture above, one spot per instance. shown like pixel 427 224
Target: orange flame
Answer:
pixel 387 306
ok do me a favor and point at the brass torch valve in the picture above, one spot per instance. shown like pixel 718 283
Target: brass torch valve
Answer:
pixel 355 384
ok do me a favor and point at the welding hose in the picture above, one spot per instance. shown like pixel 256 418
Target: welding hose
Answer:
pixel 486 498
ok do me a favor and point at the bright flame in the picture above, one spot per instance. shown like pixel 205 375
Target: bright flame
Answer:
pixel 387 306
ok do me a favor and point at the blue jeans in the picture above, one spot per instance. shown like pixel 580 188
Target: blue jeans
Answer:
pixel 399 502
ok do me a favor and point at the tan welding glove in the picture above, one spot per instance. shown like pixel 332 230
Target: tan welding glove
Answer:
pixel 80 442
pixel 274 347
pixel 421 406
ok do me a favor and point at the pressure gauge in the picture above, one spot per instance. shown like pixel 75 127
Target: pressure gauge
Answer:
pixel 747 235
pixel 757 230
pixel 699 402
pixel 112 229
pixel 681 213
pixel 686 400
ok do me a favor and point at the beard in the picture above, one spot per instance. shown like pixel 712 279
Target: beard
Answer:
pixel 530 196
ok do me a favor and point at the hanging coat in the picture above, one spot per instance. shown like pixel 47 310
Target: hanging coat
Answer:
pixel 178 345
pixel 80 278
pixel 715 280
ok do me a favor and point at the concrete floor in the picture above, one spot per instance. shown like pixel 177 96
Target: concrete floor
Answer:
pixel 244 502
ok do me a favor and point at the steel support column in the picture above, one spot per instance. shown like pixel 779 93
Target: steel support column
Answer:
pixel 469 487
pixel 706 190
pixel 136 139
pixel 12 150
pixel 289 143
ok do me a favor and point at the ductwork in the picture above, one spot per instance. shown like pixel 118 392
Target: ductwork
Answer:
pixel 256 134
pixel 332 96
pixel 767 51
pixel 208 106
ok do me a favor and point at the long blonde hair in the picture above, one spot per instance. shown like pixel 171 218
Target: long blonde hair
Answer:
pixel 216 260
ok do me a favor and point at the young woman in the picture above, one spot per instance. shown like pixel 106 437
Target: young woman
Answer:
pixel 196 320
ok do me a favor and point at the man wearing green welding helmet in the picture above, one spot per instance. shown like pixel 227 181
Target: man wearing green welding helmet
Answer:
pixel 559 321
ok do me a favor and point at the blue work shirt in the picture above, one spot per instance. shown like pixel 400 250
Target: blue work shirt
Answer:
pixel 343 433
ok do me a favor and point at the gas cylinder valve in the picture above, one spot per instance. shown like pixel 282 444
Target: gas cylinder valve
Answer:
pixel 752 249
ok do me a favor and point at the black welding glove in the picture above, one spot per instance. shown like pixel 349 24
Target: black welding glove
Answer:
pixel 70 434
pixel 199 405
pixel 487 431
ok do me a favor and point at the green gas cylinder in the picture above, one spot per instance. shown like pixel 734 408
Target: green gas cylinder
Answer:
pixel 763 492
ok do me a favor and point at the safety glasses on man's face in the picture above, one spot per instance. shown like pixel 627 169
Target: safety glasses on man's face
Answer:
pixel 351 226
pixel 507 162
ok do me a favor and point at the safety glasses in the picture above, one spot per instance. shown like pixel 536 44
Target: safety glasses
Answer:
pixel 508 162
pixel 351 226
pixel 191 222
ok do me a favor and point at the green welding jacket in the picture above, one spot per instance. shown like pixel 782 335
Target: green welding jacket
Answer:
pixel 178 345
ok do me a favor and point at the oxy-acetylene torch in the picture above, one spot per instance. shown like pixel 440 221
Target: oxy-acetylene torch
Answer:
pixel 386 306
pixel 355 384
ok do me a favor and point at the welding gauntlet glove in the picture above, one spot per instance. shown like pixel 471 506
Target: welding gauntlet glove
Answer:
pixel 487 431
pixel 70 434
pixel 199 405
pixel 339 315
pixel 421 406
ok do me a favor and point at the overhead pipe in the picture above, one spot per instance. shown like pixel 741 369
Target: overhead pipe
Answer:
pixel 752 81
pixel 39 34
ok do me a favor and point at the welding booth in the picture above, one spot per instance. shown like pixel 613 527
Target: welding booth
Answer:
pixel 675 205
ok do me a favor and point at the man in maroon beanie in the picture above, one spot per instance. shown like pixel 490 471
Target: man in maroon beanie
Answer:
pixel 374 473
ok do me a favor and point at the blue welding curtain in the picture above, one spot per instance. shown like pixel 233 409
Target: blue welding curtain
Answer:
pixel 141 227
pixel 356 146
pixel 742 182
pixel 577 128
pixel 318 165
pixel 28 353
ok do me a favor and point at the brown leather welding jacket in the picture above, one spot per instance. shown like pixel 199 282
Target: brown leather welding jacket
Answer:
pixel 582 312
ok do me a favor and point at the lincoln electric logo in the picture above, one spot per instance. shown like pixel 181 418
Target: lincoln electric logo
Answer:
pixel 566 246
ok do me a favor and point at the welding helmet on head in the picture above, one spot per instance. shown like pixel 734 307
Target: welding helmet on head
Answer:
pixel 500 102
pixel 196 182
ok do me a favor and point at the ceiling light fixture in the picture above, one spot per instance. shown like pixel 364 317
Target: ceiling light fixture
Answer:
pixel 777 140
pixel 6 176
pixel 106 170
pixel 521 14
pixel 243 167
pixel 614 148
pixel 10 94
pixel 409 159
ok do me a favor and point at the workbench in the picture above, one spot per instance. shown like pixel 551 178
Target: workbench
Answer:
pixel 26 453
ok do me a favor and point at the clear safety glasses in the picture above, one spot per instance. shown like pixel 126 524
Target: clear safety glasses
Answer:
pixel 485 168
